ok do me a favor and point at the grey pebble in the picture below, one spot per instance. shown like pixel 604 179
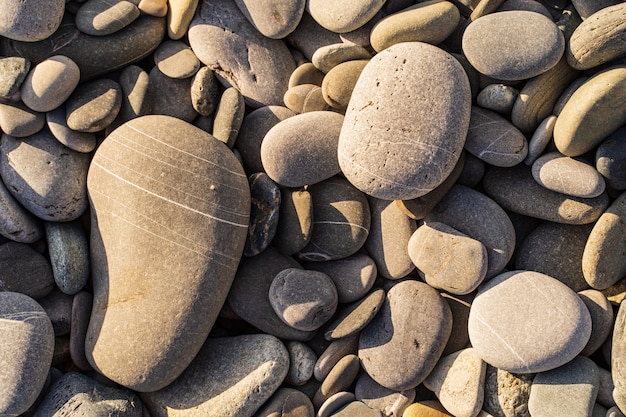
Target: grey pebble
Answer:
pixel 171 97
pixel 24 270
pixel 98 18
pixel 18 120
pixel 69 255
pixel 264 213
pixel 136 98
pixel 301 363
pixel 78 141
pixel 229 116
pixel 204 91
pixel 94 105
pixel 13 71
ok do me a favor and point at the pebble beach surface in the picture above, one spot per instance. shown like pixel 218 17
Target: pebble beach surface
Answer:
pixel 307 208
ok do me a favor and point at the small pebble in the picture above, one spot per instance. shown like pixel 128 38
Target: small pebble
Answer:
pixel 69 255
pixel 302 361
pixel 176 60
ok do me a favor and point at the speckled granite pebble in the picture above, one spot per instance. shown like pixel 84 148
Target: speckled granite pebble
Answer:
pixel 26 21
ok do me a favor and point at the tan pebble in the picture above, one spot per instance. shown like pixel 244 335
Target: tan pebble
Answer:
pixel 156 8
pixel 179 17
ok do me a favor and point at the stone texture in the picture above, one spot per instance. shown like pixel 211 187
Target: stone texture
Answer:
pixel 301 363
pixel 569 390
pixel 304 300
pixel 170 96
pixel 494 139
pixel 26 21
pixel 458 381
pixel 50 83
pixel 287 402
pixel 567 176
pixel 305 98
pixel 390 233
pixel 24 270
pixel 405 154
pixel 229 116
pixel 530 5
pixel 353 276
pixel 413 322
pixel 497 97
pixel 176 60
pixel 603 259
pixel 447 259
pixel 329 56
pixel 27 343
pixel 357 409
pixel 69 255
pixel 345 16
pixel 93 106
pixel 18 120
pixel 135 220
pixel 81 310
pixel 516 190
pixel 351 319
pixel 511 338
pixel 540 139
pixel 13 71
pixel 264 213
pixel 618 356
pixel 205 92
pixel 611 159
pixel 506 394
pixel 273 18
pixel 335 403
pixel 230 376
pixel 602 319
pixel 99 18
pixel 78 141
pixel 78 395
pixel 95 55
pixel 58 307
pixel 479 217
pixel 426 408
pixel 599 38
pixel 257 66
pixel 592 113
pixel 302 150
pixel 306 73
pixel 179 16
pixel 338 84
pixel 295 222
pixel 136 98
pixel 460 308
pixel 47 178
pixel 341 221
pixel 17 223
pixel 429 21
pixel 390 403
pixel 309 36
pixel 556 249
pixel 538 44
pixel 333 354
pixel 339 379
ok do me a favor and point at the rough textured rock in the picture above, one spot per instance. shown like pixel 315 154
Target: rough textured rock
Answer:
pixel 141 226
pixel 509 338
pixel 69 255
pixel 27 21
pixel 230 376
pixel 301 363
pixel 506 394
pixel 406 153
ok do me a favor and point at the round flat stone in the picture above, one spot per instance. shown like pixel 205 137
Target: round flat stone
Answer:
pixel 497 97
pixel 306 73
pixel 343 16
pixel 73 139
pixel 353 276
pixel 405 154
pixel 413 321
pixel 338 84
pixel 566 175
pixel 50 83
pixel 176 60
pixel 525 321
pixel 30 21
pixel 93 106
pixel 69 255
pixel 339 379
pixel 513 45
pixel 304 98
pixel 273 18
pixel 18 120
pixel 329 56
pixel 336 350
pixel 99 18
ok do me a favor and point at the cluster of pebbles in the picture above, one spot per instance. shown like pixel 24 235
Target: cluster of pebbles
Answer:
pixel 309 208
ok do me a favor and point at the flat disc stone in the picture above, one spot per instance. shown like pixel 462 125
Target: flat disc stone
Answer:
pixel 527 322
pixel 170 209
pixel 406 123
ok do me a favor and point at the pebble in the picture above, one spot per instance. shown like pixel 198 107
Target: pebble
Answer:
pixel 204 92
pixel 530 5
pixel 586 8
pixel 516 190
pixel 334 403
pixel 472 171
pixel 19 121
pixel 170 96
pixel 309 36
pixel 566 175
pixel 605 388
pixel 353 318
pixel 340 378
pixel 353 276
pixel 556 249
pixel 333 354
pixel 229 376
pixel 614 412
pixel 497 97
pixel 273 18
pixel 415 321
pixel 304 300
pixel 50 83
pixel 447 259
pixel 47 178
pixel 81 311
pixel 540 139
pixel 592 113
pixel 257 66
pixel 429 21
pixel 266 201
pixel 24 21
pixel 13 71
pixel 341 221
pixel 136 98
pixel 249 293
pixel 179 16
pixel 27 347
pixel 506 394
pixel 602 319
pixel 302 150
pixel 357 409
pixel 329 56
pixel 379 154
pixel 306 73
pixel 391 403
pixel 496 322
pixel 78 141
pixel 132 210
pixel 427 408
pixel 287 402
pixel 343 17
pixel 153 7
pixel 302 361
pixel 338 84
pixel 176 60
pixel 305 98
pixel 493 139
pixel 24 270
pixel 481 218
pixel 458 382
pixel 569 390
pixel 603 262
pixel 389 237
pixel 598 39
pixel 93 106
pixel 538 44
pixel 295 223
pixel 609 160
pixel 229 116
pixel 58 307
pixel 617 358
pixel 69 255
pixel 100 19
pixel 77 394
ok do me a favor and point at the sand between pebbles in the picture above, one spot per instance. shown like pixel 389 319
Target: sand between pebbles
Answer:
pixel 307 208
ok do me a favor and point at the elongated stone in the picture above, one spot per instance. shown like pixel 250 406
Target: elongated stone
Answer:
pixel 167 200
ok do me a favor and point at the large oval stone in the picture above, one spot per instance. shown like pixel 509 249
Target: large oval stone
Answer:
pixel 170 208
pixel 414 322
pixel 526 322
pixel 225 41
pixel 405 126
pixel 27 345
